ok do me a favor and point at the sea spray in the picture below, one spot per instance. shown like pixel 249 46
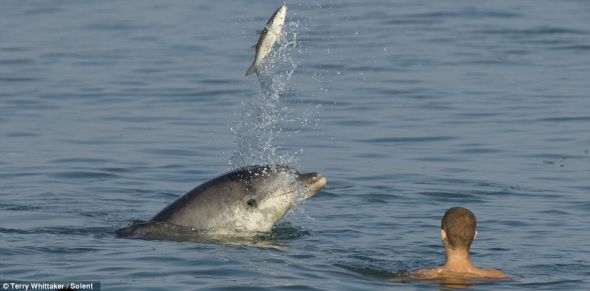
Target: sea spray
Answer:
pixel 262 118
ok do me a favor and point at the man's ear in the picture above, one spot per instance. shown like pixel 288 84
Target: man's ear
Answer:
pixel 443 234
pixel 475 236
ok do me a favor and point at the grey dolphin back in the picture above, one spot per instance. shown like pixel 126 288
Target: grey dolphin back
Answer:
pixel 200 199
pixel 191 196
pixel 247 201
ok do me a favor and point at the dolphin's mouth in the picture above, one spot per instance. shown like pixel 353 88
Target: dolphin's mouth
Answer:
pixel 313 182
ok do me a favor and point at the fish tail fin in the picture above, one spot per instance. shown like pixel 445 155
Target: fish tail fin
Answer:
pixel 252 69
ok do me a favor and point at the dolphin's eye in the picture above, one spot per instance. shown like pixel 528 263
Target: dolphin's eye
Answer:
pixel 251 203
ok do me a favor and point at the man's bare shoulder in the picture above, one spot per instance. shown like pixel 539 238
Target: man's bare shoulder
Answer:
pixel 492 273
pixel 422 274
pixel 426 274
pixel 442 273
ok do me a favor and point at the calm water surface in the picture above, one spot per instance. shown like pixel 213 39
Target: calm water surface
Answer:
pixel 109 110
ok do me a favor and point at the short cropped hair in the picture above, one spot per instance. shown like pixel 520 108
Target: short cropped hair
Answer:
pixel 460 224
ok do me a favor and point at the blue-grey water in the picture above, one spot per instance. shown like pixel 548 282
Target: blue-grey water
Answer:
pixel 109 110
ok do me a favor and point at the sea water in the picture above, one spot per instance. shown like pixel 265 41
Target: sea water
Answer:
pixel 110 110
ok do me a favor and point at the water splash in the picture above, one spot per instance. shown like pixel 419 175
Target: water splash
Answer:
pixel 263 117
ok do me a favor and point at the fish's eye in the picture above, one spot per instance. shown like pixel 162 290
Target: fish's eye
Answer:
pixel 251 203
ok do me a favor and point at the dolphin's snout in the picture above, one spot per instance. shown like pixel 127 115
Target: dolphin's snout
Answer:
pixel 314 182
pixel 311 178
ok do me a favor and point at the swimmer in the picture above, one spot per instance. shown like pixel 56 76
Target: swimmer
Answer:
pixel 457 232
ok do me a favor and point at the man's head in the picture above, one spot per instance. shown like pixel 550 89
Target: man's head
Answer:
pixel 458 228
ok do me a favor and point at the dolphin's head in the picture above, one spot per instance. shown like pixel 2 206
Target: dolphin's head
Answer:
pixel 241 202
pixel 271 192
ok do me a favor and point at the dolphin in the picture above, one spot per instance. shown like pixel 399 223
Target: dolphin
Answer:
pixel 268 36
pixel 247 200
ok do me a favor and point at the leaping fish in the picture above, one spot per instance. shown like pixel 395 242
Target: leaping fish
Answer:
pixel 268 36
